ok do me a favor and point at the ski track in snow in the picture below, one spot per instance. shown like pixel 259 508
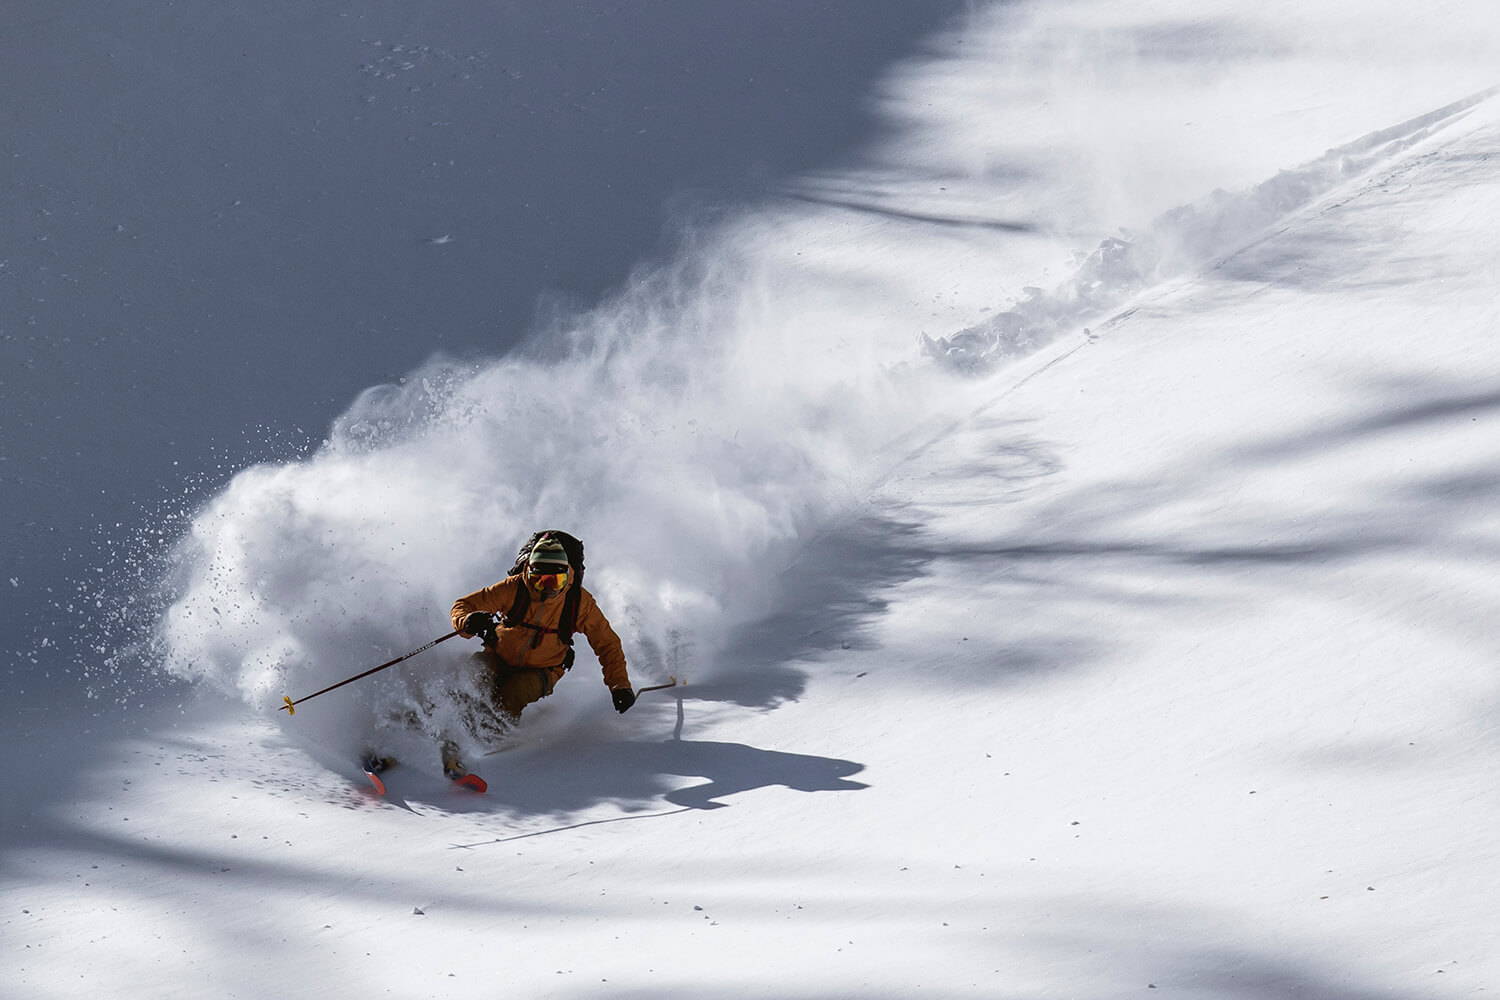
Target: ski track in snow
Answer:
pixel 1180 242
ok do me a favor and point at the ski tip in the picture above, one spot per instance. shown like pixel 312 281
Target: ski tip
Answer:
pixel 376 781
pixel 473 782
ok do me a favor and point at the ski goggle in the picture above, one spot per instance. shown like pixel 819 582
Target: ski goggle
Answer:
pixel 548 581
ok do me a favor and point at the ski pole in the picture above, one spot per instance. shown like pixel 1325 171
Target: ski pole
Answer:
pixel 291 706
pixel 658 687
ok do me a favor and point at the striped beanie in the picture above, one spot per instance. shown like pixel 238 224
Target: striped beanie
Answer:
pixel 547 552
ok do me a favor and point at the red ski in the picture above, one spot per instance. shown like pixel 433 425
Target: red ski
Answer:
pixel 373 766
pixel 456 772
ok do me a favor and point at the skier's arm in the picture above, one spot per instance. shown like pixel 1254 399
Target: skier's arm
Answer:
pixel 491 600
pixel 604 642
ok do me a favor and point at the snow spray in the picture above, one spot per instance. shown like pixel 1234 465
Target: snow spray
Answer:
pixel 691 430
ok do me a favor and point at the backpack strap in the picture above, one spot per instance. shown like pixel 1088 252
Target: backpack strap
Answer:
pixel 516 616
pixel 568 623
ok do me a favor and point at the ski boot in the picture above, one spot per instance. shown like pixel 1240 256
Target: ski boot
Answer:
pixel 456 772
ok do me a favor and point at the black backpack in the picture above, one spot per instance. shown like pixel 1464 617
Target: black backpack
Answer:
pixel 516 616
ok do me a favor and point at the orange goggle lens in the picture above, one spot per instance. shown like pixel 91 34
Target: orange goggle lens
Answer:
pixel 549 581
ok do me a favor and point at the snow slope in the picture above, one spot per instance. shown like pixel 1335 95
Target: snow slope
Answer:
pixel 1155 659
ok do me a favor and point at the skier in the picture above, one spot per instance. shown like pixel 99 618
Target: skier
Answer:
pixel 529 649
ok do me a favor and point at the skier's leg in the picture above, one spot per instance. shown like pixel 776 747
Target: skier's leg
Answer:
pixel 453 765
pixel 518 687
pixel 480 713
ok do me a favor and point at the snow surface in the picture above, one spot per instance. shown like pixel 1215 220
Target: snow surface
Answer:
pixel 1132 633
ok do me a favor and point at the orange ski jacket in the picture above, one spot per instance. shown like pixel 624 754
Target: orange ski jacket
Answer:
pixel 518 645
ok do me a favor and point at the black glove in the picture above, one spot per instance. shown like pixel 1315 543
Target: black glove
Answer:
pixel 623 699
pixel 478 623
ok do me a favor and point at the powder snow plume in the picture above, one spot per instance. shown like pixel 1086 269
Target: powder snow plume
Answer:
pixel 689 431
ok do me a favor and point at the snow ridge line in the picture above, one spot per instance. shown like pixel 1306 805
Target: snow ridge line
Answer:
pixel 1177 242
pixel 1083 299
